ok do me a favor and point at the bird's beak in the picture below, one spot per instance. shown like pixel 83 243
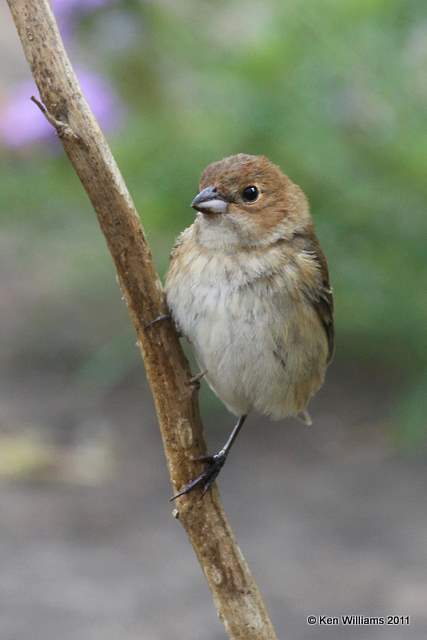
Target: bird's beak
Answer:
pixel 210 201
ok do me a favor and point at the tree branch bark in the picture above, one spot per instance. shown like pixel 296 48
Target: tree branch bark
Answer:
pixel 235 593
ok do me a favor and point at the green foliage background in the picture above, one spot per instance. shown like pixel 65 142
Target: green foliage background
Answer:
pixel 335 92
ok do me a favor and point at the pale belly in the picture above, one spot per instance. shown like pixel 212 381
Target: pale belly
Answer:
pixel 260 350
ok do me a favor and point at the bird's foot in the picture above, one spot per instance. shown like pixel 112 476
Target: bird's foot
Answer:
pixel 205 479
pixel 195 381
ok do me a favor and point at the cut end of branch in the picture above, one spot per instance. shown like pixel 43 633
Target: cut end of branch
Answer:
pixel 40 105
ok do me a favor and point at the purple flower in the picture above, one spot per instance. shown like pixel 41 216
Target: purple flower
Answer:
pixel 19 125
pixel 22 124
pixel 71 7
pixel 76 5
pixel 67 12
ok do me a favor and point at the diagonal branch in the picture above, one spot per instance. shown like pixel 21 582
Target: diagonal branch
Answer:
pixel 235 593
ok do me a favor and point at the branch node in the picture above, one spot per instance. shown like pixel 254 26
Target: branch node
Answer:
pixel 63 129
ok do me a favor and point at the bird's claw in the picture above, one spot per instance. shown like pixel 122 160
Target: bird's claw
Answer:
pixel 207 477
pixel 163 316
pixel 195 380
pixel 209 459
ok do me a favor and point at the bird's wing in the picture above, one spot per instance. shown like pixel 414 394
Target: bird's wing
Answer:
pixel 180 240
pixel 319 293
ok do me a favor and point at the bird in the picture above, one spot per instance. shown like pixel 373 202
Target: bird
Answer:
pixel 248 286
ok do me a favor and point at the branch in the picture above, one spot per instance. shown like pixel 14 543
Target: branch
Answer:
pixel 235 593
pixel 63 130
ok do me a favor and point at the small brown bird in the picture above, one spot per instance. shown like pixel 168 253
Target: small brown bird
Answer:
pixel 248 285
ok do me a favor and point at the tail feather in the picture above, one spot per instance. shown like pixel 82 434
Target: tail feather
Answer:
pixel 305 417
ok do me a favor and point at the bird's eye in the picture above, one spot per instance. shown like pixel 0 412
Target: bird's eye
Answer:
pixel 250 194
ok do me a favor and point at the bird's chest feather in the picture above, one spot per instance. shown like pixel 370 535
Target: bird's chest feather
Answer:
pixel 232 310
pixel 259 341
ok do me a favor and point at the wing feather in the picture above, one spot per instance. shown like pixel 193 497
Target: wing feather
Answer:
pixel 319 293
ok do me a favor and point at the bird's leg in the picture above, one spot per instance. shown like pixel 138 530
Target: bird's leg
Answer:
pixel 214 464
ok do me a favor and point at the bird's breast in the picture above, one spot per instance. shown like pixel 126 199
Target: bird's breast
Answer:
pixel 224 295
pixel 251 331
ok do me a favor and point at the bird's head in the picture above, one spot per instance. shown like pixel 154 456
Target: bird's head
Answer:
pixel 246 201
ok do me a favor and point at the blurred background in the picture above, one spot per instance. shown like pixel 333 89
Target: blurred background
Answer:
pixel 333 520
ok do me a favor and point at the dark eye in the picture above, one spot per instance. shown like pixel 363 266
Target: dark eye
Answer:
pixel 250 194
